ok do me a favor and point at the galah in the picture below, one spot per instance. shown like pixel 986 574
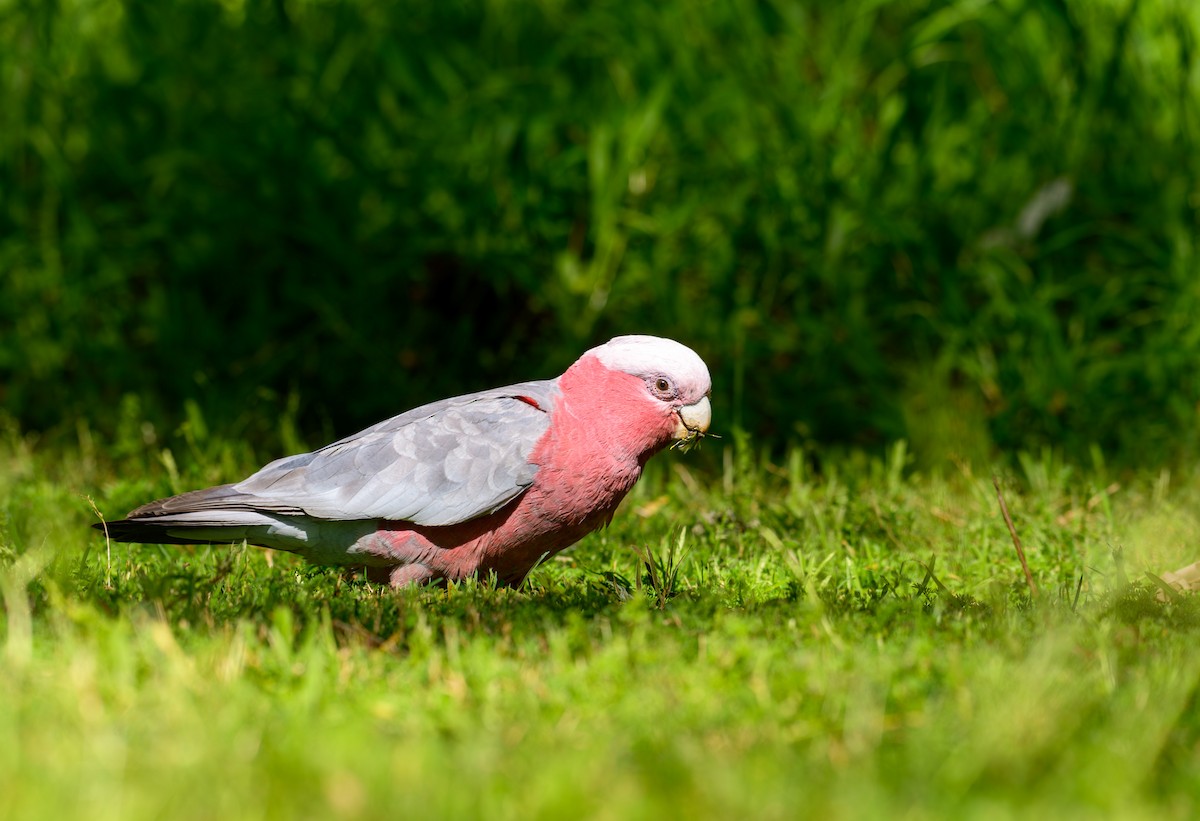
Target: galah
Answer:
pixel 493 481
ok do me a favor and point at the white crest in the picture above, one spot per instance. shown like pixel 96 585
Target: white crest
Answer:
pixel 649 355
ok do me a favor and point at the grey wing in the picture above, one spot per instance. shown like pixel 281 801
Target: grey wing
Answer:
pixel 440 464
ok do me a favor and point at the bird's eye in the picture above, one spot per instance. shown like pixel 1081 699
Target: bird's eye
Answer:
pixel 662 385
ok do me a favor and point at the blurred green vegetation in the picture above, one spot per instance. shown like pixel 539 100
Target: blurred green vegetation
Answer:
pixel 972 224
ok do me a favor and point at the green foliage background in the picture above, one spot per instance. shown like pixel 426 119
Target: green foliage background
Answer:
pixel 971 225
pixel 971 222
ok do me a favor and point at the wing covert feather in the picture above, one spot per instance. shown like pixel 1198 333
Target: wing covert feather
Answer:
pixel 440 464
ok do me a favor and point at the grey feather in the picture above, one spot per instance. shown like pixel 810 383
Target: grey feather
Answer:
pixel 439 464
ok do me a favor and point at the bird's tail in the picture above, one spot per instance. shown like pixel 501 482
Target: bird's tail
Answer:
pixel 208 527
pixel 153 531
pixel 223 515
pixel 217 515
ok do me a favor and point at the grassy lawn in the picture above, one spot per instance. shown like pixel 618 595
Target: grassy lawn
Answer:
pixel 969 225
pixel 851 641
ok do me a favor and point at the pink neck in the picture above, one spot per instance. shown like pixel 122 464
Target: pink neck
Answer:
pixel 613 410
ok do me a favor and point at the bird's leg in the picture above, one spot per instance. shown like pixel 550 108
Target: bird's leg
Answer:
pixel 402 575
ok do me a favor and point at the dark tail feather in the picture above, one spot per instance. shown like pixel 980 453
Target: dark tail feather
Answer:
pixel 211 510
pixel 144 532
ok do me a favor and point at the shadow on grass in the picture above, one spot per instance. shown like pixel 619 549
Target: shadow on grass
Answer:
pixel 215 587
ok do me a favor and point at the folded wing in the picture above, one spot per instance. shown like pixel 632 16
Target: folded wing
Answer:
pixel 439 464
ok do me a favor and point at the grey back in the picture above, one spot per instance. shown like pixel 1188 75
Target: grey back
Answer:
pixel 439 464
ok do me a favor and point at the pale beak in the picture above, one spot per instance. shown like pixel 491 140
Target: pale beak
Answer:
pixel 693 420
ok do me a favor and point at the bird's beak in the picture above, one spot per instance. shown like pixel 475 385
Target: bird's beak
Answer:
pixel 693 421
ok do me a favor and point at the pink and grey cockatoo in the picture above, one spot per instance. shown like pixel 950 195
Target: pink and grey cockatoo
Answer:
pixel 493 481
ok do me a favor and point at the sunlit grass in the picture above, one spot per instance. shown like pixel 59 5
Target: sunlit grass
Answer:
pixel 759 639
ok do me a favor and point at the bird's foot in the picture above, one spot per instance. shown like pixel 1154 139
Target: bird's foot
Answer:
pixel 404 575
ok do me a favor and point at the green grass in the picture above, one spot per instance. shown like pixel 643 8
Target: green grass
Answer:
pixel 857 642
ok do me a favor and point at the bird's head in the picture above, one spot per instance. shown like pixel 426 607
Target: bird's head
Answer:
pixel 674 382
